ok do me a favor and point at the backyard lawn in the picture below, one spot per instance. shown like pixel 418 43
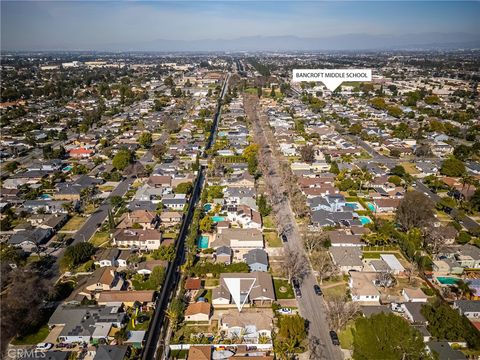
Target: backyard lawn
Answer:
pixel 283 290
pixel 99 238
pixel 74 223
pixel 272 239
pixel 34 338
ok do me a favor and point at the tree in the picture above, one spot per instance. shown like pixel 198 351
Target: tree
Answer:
pixel 291 333
pixel 145 139
pixel 166 253
pixel 77 254
pixel 116 201
pixel 387 336
pixel 206 224
pixel 340 312
pixel 184 188
pixel 423 150
pixel 158 150
pixel 295 264
pixel 122 159
pixel 11 166
pixel 446 323
pixel 435 239
pixel 250 154
pixel 263 206
pixel 313 241
pixel 307 153
pixel 157 277
pixel 23 305
pixel 334 168
pixel 316 348
pixel 175 312
pixel 355 129
pixel 452 167
pixel 385 279
pixel 415 210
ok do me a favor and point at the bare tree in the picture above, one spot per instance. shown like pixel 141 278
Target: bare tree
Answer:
pixel 415 210
pixel 385 279
pixel 295 264
pixel 313 240
pixel 340 312
pixel 323 265
pixel 317 348
pixel 411 271
pixel 435 239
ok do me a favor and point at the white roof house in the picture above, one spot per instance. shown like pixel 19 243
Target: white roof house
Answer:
pixel 392 263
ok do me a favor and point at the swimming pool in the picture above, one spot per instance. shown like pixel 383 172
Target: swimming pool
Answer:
pixel 218 218
pixel 365 220
pixel 370 206
pixel 207 207
pixel 444 280
pixel 202 242
pixel 354 206
pixel 45 197
pixel 68 168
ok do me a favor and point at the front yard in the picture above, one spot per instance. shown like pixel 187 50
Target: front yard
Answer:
pixel 74 224
pixel 283 290
pixel 100 238
pixel 272 239
pixel 33 339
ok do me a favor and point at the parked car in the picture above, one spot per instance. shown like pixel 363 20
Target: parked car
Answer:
pixel 397 307
pixel 44 346
pixel 285 311
pixel 298 293
pixel 334 337
pixel 284 238
pixel 317 290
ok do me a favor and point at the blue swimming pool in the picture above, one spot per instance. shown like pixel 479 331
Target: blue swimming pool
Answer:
pixel 447 280
pixel 45 197
pixel 354 206
pixel 207 207
pixel 68 168
pixel 365 220
pixel 371 207
pixel 218 218
pixel 202 242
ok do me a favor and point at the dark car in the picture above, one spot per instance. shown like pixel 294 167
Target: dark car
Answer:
pixel 284 238
pixel 317 290
pixel 334 337
pixel 298 293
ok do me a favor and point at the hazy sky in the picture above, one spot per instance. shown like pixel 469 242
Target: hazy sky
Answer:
pixel 29 25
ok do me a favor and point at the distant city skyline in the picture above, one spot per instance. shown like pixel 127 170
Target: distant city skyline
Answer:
pixel 237 25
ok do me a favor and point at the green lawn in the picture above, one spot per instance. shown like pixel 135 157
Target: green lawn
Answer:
pixel 74 223
pixel 272 239
pixel 99 238
pixel 212 282
pixel 346 337
pixel 268 222
pixel 142 285
pixel 335 291
pixel 278 283
pixel 33 339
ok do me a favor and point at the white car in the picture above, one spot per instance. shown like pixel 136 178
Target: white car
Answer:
pixel 285 311
pixel 44 346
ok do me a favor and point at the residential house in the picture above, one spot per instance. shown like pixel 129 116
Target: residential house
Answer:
pixel 137 238
pixel 469 308
pixel 199 311
pixel 414 295
pixel 85 324
pixel 143 218
pixel 469 256
pixel 362 287
pixel 112 352
pixel 249 325
pixel 223 255
pixel 347 258
pixel 257 260
pixel 146 267
pixel 200 352
pixel 127 298
pixel 413 312
pixel 443 351
pixel 256 288
pixel 238 239
pixel 170 218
